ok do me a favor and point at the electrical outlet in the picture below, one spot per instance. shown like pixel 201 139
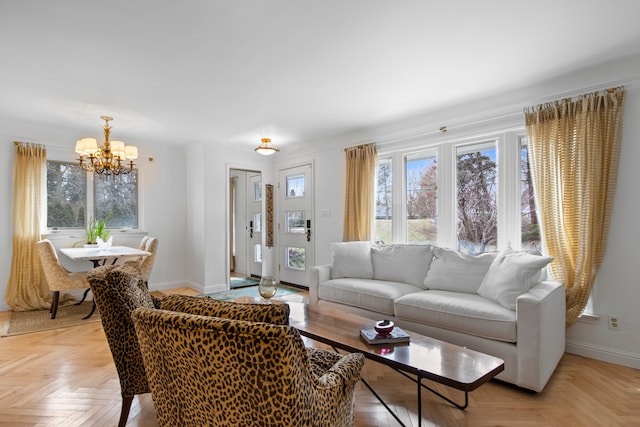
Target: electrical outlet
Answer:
pixel 614 322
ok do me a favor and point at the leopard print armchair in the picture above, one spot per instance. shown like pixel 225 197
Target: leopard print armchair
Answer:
pixel 220 372
pixel 117 291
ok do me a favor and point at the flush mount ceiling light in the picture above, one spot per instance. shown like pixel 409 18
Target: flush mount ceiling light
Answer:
pixel 108 159
pixel 266 148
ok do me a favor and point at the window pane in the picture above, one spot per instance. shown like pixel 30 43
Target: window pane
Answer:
pixel 66 195
pixel 257 222
pixel 257 191
pixel 117 200
pixel 422 192
pixel 295 258
pixel 257 253
pixel 294 221
pixel 295 186
pixel 476 198
pixel 384 206
pixel 530 229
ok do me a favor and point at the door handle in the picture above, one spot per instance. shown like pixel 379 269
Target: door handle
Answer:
pixel 251 229
pixel 308 230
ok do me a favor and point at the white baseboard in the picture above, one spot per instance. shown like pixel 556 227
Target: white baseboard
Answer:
pixel 605 354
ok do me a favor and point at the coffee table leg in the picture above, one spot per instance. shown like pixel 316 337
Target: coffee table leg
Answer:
pixel 383 402
pixel 419 401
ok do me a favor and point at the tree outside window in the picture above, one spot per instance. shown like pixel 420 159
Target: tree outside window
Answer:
pixel 477 179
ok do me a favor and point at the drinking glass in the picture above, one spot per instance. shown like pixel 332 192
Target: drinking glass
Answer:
pixel 268 287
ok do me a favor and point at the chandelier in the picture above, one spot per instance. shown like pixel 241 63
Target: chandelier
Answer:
pixel 108 159
pixel 266 147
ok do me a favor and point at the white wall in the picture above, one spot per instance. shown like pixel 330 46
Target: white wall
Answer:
pixel 618 290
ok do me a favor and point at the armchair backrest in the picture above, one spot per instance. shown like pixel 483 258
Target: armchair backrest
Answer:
pixel 117 291
pixel 277 314
pixel 222 372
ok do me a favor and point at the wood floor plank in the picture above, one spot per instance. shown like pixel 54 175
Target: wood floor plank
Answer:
pixel 66 377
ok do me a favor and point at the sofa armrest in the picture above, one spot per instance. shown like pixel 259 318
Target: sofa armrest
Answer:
pixel 540 315
pixel 317 275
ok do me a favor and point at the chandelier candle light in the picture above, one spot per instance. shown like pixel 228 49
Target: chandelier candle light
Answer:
pixel 108 159
pixel 266 148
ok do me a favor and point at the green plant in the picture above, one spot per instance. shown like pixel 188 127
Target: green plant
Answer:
pixel 95 229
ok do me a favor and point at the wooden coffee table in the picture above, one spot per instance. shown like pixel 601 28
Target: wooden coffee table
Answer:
pixel 426 358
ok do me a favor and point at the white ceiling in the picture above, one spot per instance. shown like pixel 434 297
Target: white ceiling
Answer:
pixel 176 71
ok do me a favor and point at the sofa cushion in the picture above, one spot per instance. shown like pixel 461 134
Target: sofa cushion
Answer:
pixel 511 274
pixel 463 312
pixel 401 263
pixel 351 259
pixel 374 295
pixel 454 271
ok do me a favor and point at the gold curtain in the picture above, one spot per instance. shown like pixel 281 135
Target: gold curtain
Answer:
pixel 575 151
pixel 25 290
pixel 358 207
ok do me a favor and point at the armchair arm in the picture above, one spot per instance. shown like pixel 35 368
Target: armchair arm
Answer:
pixel 317 275
pixel 540 316
pixel 345 371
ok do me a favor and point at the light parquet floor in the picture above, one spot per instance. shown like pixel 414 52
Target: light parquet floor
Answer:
pixel 66 377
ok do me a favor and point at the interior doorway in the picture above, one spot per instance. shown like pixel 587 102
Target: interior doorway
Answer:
pixel 245 227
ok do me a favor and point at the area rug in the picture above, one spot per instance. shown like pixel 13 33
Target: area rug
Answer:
pixel 239 282
pixel 251 291
pixel 26 322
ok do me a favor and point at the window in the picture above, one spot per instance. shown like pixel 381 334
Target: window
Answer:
pixel 295 258
pixel 384 202
pixel 294 221
pixel 477 209
pixel 116 200
pixel 472 194
pixel 421 196
pixel 530 228
pixel 74 196
pixel 295 186
pixel 66 195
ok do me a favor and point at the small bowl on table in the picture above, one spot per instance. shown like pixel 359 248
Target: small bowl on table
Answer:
pixel 384 327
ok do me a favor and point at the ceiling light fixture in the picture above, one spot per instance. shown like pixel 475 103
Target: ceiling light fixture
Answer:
pixel 266 148
pixel 106 160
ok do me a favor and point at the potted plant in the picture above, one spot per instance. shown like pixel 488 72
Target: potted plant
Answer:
pixel 95 229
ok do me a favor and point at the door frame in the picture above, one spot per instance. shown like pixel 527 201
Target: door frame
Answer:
pixel 227 217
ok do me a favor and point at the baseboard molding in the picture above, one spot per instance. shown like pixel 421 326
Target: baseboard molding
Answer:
pixel 605 354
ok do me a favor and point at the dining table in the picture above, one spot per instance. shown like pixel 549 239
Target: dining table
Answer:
pixel 99 256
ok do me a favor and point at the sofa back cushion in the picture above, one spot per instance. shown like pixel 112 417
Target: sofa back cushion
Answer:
pixel 511 274
pixel 401 263
pixel 351 259
pixel 454 271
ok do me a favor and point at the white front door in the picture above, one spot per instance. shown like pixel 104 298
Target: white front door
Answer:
pixel 295 224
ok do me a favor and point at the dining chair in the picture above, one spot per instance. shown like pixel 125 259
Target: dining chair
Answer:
pixel 212 371
pixel 149 244
pixel 57 277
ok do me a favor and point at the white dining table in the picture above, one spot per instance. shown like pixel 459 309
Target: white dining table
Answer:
pixel 99 256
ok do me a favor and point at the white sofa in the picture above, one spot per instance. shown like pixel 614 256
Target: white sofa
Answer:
pixel 498 304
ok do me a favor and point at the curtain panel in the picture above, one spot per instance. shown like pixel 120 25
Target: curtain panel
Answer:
pixel 26 289
pixel 360 186
pixel 575 149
